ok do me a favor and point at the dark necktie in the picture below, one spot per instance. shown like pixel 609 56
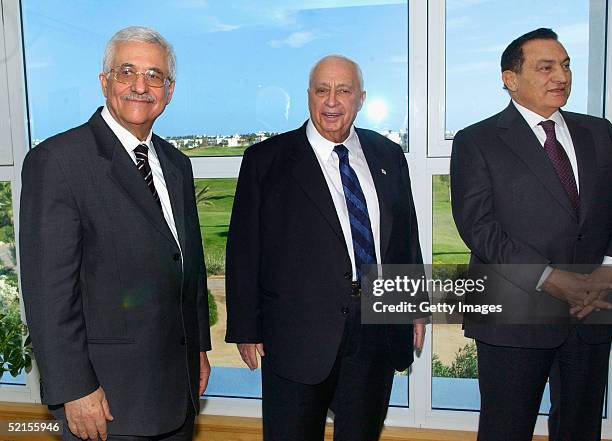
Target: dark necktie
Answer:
pixel 361 229
pixel 561 163
pixel 142 162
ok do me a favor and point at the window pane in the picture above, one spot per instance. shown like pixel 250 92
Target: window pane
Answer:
pixel 13 356
pixel 478 32
pixel 242 67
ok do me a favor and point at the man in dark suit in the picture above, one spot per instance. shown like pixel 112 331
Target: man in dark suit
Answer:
pixel 112 265
pixel 294 255
pixel 531 199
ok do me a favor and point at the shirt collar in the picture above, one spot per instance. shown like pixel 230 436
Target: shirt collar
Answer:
pixel 533 119
pixel 129 141
pixel 324 147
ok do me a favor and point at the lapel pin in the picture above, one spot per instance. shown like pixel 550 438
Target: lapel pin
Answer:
pixel 384 172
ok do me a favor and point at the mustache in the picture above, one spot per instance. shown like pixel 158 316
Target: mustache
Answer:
pixel 139 97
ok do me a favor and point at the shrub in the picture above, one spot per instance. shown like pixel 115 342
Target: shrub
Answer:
pixel 215 264
pixel 212 309
pixel 465 364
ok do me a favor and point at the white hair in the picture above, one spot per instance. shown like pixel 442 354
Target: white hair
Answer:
pixel 341 58
pixel 143 35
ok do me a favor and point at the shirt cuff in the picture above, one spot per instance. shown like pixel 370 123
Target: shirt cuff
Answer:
pixel 546 273
pixel 607 260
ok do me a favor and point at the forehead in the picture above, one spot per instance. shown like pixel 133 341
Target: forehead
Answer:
pixel 536 50
pixel 335 71
pixel 140 54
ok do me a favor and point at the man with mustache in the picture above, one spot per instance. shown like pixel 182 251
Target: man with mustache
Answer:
pixel 112 265
pixel 531 199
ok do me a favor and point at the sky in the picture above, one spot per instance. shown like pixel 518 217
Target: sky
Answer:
pixel 243 65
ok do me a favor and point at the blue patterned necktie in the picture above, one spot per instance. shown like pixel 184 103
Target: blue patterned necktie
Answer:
pixel 361 229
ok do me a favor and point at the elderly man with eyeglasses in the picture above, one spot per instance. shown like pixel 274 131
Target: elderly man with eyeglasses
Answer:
pixel 112 264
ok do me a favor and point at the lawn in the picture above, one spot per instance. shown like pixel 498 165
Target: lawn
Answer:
pixel 447 246
pixel 215 151
pixel 214 220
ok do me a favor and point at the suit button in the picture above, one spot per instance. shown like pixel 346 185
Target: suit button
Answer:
pixel 580 236
pixel 348 275
pixel 344 310
pixel 183 341
pixel 176 257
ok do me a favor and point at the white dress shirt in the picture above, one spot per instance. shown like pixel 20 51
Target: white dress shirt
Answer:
pixel 130 142
pixel 330 166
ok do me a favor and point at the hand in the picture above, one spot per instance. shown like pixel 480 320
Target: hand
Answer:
pixel 572 288
pixel 204 372
pixel 595 300
pixel 418 334
pixel 87 415
pixel 249 351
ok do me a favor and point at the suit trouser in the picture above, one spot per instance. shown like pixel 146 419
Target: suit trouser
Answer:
pixel 512 382
pixel 357 390
pixel 182 433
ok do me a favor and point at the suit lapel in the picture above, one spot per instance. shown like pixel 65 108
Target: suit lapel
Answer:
pixel 174 184
pixel 517 134
pixel 307 172
pixel 124 173
pixel 374 158
pixel 585 156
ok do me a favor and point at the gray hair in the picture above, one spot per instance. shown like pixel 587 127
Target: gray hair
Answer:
pixel 144 35
pixel 341 58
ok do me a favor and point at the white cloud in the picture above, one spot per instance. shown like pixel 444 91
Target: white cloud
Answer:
pixel 294 40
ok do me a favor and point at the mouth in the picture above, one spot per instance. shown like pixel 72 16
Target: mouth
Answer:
pixel 331 116
pixel 560 91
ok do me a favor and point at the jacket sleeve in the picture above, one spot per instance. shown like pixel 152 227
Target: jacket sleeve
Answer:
pixel 50 239
pixel 242 264
pixel 474 213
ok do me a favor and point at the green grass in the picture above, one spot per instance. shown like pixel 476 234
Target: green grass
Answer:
pixel 214 220
pixel 215 151
pixel 447 246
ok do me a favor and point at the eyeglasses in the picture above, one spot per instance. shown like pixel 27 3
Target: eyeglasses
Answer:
pixel 128 75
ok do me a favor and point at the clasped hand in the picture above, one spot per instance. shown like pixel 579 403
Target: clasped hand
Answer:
pixel 584 293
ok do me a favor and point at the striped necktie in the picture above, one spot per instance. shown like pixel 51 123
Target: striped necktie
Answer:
pixel 142 162
pixel 361 229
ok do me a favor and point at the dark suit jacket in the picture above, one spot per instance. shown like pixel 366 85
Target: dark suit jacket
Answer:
pixel 107 303
pixel 510 208
pixel 288 270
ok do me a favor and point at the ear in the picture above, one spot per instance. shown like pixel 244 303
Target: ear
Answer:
pixel 361 100
pixel 510 80
pixel 103 83
pixel 169 92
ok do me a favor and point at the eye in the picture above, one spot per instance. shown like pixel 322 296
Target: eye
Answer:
pixel 343 92
pixel 545 68
pixel 126 70
pixel 566 66
pixel 321 91
pixel 154 75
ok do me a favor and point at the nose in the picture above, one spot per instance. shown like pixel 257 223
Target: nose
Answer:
pixel 561 75
pixel 330 100
pixel 139 85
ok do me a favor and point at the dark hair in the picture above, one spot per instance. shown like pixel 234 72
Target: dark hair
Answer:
pixel 512 58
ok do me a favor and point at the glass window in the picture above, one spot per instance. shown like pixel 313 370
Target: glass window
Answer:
pixel 14 357
pixel 478 32
pixel 242 69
